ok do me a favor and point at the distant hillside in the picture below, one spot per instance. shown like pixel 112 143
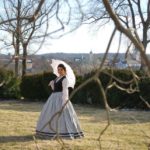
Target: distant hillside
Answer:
pixel 80 62
pixel 64 56
pixel 72 56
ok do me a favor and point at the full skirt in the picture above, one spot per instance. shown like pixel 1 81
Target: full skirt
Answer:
pixel 54 124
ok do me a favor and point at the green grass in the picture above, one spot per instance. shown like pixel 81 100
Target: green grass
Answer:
pixel 129 130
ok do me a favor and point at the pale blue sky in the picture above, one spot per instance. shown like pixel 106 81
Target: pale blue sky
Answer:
pixel 86 38
pixel 83 40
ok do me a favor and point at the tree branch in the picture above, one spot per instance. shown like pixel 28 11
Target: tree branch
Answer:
pixel 127 32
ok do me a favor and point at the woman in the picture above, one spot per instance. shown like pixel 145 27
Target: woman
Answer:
pixel 54 124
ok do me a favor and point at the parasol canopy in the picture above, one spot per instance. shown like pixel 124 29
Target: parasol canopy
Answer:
pixel 69 72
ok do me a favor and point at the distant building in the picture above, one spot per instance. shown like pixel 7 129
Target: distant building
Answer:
pixel 134 64
pixel 29 65
pixel 134 59
pixel 91 57
pixel 121 65
pixel 77 59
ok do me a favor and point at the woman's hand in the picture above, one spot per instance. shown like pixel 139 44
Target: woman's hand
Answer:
pixel 51 83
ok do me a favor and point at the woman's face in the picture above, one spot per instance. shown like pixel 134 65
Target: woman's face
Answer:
pixel 61 71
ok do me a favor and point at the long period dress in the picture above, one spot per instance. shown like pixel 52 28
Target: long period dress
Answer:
pixel 66 124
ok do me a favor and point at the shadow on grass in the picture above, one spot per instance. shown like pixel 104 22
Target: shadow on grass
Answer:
pixel 25 138
pixel 7 139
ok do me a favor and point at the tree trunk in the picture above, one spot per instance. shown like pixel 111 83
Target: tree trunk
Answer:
pixel 17 49
pixel 17 56
pixel 16 67
pixel 24 60
pixel 145 31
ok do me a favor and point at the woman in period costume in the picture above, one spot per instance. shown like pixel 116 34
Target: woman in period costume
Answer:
pixel 54 124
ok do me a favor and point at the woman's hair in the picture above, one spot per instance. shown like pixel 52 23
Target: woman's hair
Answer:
pixel 62 66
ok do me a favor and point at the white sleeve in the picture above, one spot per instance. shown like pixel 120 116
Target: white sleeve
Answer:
pixel 65 95
pixel 51 83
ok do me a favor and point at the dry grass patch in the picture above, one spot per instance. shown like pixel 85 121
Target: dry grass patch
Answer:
pixel 129 130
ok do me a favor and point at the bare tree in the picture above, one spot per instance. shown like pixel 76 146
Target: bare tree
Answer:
pixel 45 19
pixel 12 22
pixel 30 18
pixel 133 36
pixel 132 15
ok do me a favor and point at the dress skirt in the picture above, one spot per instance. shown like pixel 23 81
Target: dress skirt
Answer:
pixel 65 125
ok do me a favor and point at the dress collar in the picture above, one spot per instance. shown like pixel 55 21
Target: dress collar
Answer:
pixel 58 78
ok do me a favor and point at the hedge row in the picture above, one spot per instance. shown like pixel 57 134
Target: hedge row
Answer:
pixel 35 87
pixel 116 98
pixel 9 85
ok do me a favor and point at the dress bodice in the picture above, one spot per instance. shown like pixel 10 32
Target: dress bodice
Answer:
pixel 58 87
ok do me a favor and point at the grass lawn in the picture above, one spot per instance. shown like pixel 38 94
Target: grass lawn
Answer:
pixel 129 130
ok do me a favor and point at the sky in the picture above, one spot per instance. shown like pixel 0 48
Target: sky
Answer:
pixel 87 38
pixel 83 40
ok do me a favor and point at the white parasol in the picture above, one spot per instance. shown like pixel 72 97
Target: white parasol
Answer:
pixel 69 72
